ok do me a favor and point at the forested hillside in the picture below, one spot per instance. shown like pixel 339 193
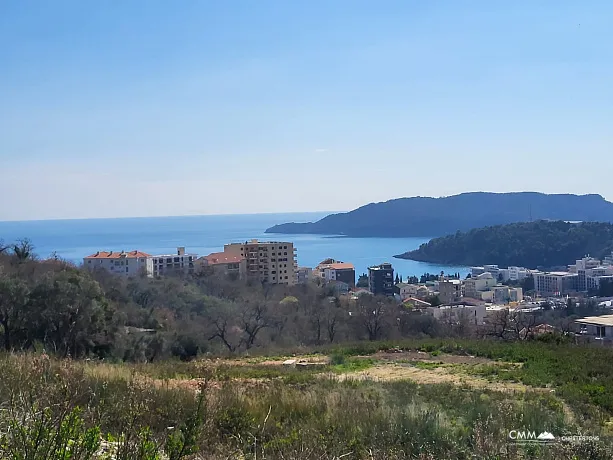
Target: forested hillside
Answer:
pixel 528 244
pixel 429 217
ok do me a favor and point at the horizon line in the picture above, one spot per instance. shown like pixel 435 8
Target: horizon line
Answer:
pixel 54 219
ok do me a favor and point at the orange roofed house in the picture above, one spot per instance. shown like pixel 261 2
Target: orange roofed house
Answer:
pixel 333 270
pixel 122 263
pixel 225 263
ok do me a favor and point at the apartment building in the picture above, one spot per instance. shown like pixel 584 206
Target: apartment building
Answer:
pixel 334 270
pixel 304 275
pixel 381 279
pixel 225 264
pixel 517 273
pixel 173 264
pixel 555 283
pixel 272 262
pixel 472 314
pixel 475 285
pixel 449 291
pixel 121 263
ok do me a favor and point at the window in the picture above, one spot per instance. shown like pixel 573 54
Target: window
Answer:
pixel 126 269
pixel 274 272
pixel 286 277
pixel 89 261
pixel 285 247
pixel 285 253
pixel 285 271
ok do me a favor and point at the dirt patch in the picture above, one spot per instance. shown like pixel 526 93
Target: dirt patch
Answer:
pixel 277 361
pixel 391 372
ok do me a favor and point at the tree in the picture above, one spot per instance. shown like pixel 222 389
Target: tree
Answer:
pixel 397 279
pixel 14 298
pixel 371 312
pixel 70 313
pixel 362 281
pixel 433 300
pixel 23 250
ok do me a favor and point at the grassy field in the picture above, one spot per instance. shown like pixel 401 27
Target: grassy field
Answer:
pixel 420 400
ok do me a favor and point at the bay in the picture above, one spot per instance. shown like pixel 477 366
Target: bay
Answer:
pixel 75 239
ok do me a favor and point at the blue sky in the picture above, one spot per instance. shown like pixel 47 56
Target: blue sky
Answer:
pixel 142 108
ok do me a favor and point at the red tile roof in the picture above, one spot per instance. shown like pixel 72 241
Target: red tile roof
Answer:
pixel 118 254
pixel 221 258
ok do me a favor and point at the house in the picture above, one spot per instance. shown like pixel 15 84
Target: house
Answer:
pixel 179 263
pixel 333 270
pixel 597 327
pixel 272 262
pixel 121 263
pixel 381 279
pixel 413 303
pixel 225 264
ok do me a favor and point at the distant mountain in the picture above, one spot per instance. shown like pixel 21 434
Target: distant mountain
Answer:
pixel 527 244
pixel 429 217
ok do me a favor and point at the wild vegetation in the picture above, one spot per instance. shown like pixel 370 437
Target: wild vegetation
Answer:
pixel 259 408
pixel 96 366
pixel 530 244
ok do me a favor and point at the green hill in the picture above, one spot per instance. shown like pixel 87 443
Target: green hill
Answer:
pixel 429 217
pixel 528 244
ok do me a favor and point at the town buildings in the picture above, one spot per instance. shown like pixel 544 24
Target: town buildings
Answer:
pixel 381 279
pixel 225 264
pixel 121 263
pixel 174 264
pixel 272 262
pixel 333 270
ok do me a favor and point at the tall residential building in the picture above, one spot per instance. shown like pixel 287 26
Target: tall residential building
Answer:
pixel 272 262
pixel 449 291
pixel 179 263
pixel 334 270
pixel 121 263
pixel 225 264
pixel 381 279
pixel 555 283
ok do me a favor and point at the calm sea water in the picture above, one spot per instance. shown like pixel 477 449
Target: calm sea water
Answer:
pixel 75 239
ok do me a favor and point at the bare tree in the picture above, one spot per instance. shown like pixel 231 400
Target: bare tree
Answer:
pixel 371 314
pixel 253 318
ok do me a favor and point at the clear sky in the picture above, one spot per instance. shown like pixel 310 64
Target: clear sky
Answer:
pixel 142 108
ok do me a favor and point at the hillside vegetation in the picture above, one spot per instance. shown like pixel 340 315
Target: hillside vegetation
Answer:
pixel 528 244
pixel 416 400
pixel 430 217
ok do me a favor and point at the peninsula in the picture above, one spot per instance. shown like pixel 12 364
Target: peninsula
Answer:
pixel 528 244
pixel 431 217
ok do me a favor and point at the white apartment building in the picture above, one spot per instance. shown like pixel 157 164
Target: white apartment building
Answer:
pixel 273 262
pixel 517 273
pixel 179 263
pixel 132 263
pixel 473 314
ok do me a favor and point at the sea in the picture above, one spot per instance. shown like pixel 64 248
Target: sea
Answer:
pixel 202 235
